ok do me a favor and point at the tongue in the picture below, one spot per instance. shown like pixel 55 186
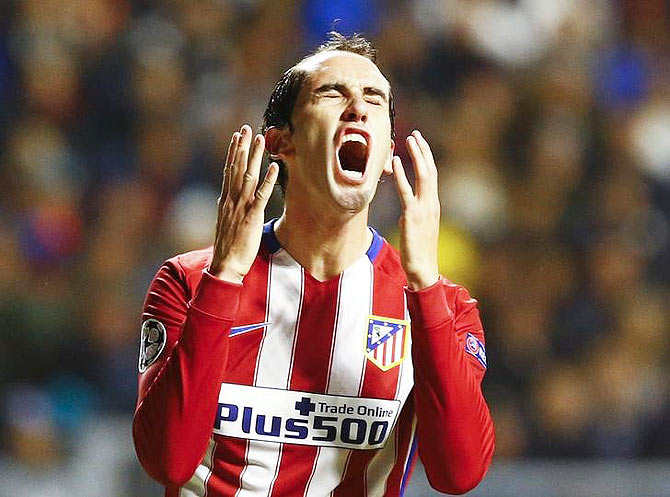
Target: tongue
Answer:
pixel 353 156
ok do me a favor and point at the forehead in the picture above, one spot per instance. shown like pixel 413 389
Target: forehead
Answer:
pixel 343 67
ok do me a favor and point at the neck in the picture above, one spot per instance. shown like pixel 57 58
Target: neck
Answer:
pixel 325 246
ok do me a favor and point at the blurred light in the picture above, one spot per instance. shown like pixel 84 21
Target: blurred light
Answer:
pixel 650 135
pixel 192 217
pixel 621 77
pixel 52 232
pixel 345 16
pixel 156 40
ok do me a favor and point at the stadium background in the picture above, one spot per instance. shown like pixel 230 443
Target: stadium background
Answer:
pixel 550 121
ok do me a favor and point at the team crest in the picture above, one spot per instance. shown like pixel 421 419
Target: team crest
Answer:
pixel 387 341
pixel 152 343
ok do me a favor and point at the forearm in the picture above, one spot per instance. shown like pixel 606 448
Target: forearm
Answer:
pixel 455 430
pixel 175 413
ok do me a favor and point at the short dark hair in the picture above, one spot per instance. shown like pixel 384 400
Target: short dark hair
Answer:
pixel 282 100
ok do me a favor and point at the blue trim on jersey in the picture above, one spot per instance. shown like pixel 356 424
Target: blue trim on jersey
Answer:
pixel 239 330
pixel 405 475
pixel 269 237
pixel 375 246
pixel 273 245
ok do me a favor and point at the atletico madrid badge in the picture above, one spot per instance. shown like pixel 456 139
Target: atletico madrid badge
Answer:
pixel 387 341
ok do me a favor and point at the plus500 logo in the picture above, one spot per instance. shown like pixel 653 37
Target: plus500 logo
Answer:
pixel 315 430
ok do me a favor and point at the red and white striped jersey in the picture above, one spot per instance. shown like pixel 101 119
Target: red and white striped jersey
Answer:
pixel 290 386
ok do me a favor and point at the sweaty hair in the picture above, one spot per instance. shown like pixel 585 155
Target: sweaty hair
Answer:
pixel 283 98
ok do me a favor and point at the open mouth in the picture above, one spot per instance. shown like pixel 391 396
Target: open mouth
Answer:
pixel 353 154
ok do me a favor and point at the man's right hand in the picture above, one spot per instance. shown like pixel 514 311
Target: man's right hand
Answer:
pixel 241 208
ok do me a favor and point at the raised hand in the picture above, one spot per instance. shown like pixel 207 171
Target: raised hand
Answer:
pixel 420 219
pixel 241 207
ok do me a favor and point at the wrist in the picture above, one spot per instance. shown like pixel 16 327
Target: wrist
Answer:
pixel 226 274
pixel 421 281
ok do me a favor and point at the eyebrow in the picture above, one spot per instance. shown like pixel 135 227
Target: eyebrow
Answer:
pixel 343 88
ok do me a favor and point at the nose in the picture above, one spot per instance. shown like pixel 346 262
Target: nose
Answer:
pixel 356 110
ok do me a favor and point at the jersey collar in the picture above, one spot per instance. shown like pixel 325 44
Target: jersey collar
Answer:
pixel 273 245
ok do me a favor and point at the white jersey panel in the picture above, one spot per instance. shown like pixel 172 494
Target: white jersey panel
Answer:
pixel 347 366
pixel 273 367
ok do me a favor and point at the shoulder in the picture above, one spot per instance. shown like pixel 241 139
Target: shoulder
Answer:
pixel 195 260
pixel 464 305
pixel 457 293
pixel 187 267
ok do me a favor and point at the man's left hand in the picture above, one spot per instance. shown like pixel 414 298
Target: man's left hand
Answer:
pixel 420 219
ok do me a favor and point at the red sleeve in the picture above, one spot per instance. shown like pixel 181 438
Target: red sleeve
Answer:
pixel 178 392
pixel 455 430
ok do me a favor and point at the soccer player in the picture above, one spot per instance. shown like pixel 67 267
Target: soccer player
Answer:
pixel 307 356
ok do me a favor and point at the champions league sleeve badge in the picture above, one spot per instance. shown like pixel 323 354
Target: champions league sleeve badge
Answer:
pixel 387 341
pixel 152 343
pixel 476 348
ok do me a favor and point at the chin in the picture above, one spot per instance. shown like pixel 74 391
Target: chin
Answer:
pixel 353 200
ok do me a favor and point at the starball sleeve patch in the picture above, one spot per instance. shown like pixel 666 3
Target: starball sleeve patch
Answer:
pixel 152 342
pixel 476 348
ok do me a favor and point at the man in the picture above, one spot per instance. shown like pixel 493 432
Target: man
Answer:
pixel 306 357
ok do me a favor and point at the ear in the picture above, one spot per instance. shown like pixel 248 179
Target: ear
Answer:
pixel 388 165
pixel 278 142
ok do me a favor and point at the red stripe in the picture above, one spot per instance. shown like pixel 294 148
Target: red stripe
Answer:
pixel 311 366
pixel 229 456
pixel 387 301
pixel 395 337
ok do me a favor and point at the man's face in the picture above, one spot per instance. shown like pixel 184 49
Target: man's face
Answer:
pixel 341 139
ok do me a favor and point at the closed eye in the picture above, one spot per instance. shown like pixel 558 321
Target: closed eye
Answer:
pixel 375 96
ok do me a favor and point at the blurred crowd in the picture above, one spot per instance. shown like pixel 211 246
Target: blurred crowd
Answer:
pixel 550 121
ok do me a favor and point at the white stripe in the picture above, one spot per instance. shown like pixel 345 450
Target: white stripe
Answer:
pixel 197 485
pixel 273 365
pixel 347 365
pixel 380 467
pixel 382 464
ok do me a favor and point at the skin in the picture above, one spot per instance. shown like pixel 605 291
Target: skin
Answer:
pixel 324 224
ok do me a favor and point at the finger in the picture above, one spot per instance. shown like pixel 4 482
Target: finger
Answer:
pixel 426 182
pixel 425 150
pixel 418 162
pixel 402 184
pixel 265 191
pixel 240 162
pixel 227 167
pixel 250 179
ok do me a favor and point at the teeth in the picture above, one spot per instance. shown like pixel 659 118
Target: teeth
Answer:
pixel 353 174
pixel 354 137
